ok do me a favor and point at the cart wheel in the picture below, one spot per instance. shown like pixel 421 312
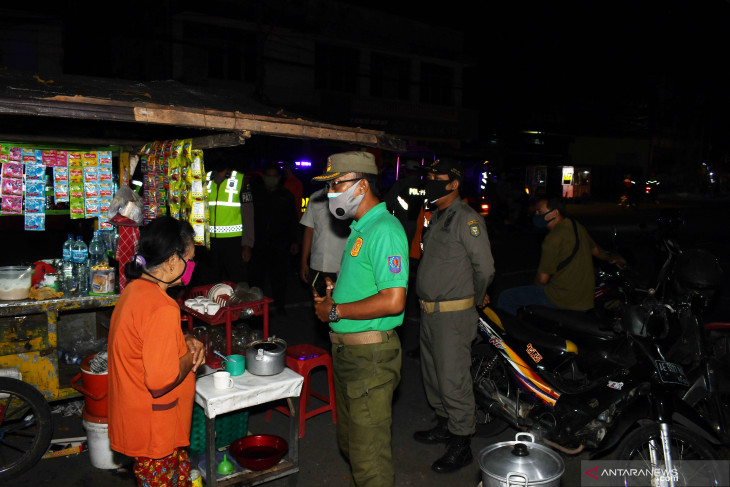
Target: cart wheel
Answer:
pixel 25 427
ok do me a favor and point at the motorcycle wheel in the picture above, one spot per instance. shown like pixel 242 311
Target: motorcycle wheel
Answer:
pixel 644 442
pixel 494 377
pixel 25 427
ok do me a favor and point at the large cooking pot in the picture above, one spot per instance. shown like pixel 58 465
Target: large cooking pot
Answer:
pixel 520 463
pixel 266 357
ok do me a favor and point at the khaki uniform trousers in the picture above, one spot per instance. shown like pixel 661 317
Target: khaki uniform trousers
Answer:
pixel 446 338
pixel 365 377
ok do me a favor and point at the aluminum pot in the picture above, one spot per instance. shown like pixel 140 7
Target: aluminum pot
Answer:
pixel 266 357
pixel 520 464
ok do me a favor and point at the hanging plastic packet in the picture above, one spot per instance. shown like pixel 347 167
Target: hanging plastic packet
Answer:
pixel 35 222
pixel 12 205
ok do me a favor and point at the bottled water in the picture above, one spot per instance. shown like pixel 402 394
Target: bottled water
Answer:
pixel 97 251
pixel 80 256
pixel 67 271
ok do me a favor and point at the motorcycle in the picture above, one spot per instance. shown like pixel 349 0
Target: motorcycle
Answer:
pixel 608 388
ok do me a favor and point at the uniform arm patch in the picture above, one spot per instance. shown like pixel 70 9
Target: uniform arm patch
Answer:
pixel 474 228
pixel 394 264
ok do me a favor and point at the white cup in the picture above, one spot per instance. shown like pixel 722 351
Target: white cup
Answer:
pixel 200 308
pixel 222 380
pixel 212 308
pixel 200 299
pixel 190 302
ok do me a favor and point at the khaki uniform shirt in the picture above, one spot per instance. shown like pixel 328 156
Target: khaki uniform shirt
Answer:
pixel 457 258
pixel 572 286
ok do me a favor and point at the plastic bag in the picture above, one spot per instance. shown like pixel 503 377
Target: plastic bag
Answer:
pixel 126 204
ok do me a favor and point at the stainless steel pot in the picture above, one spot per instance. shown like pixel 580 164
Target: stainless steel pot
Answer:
pixel 520 464
pixel 266 357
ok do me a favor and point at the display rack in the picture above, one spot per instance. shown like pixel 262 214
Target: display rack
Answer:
pixel 227 314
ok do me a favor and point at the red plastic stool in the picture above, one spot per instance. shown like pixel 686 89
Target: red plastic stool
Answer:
pixel 302 359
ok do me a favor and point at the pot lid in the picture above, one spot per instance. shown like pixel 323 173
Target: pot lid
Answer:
pixel 539 463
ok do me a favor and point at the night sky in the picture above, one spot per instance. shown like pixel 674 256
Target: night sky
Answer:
pixel 631 63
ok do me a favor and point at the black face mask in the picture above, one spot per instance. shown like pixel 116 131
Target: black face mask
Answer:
pixel 436 189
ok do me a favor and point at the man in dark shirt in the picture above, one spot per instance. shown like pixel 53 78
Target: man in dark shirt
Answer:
pixel 564 276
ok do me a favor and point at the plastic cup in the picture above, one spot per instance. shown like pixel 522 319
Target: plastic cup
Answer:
pixel 222 380
pixel 235 364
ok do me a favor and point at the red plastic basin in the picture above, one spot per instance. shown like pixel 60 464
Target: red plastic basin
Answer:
pixel 258 452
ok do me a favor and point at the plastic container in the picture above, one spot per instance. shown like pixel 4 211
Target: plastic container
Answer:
pixel 102 280
pixel 97 252
pixel 228 428
pixel 67 273
pixel 15 282
pixel 100 452
pixel 80 256
pixel 93 387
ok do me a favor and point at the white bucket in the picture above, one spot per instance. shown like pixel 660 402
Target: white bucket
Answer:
pixel 101 454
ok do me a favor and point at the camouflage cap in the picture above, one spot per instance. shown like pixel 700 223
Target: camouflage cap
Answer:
pixel 344 162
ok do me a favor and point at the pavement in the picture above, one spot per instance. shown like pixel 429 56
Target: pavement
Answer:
pixel 516 252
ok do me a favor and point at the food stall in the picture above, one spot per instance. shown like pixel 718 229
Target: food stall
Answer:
pixel 68 147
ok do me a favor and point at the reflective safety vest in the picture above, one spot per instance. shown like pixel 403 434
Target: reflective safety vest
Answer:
pixel 225 206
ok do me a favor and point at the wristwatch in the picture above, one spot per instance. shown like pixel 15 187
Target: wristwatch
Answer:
pixel 333 316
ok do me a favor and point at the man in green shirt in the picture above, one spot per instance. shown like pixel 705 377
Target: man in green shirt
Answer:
pixel 363 310
pixel 564 276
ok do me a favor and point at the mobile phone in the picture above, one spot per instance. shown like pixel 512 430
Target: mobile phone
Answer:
pixel 319 285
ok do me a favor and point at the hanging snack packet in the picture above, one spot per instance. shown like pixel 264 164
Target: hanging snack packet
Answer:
pixel 48 157
pixel 35 172
pixel 12 170
pixel 35 223
pixel 77 208
pixel 89 159
pixel 60 192
pixel 61 158
pixel 91 174
pixel 12 187
pixel 12 205
pixel 15 154
pixel 29 156
pixel 35 189
pixel 91 190
pixel 91 207
pixel 35 205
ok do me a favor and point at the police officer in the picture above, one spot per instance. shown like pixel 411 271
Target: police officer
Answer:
pixel 455 270
pixel 363 311
pixel 231 224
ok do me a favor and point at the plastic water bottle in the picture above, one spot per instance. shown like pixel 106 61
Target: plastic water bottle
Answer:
pixel 97 251
pixel 67 271
pixel 80 256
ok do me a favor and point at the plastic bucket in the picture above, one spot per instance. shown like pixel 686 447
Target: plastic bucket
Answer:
pixel 94 388
pixel 100 453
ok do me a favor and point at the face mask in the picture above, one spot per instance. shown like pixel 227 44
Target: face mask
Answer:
pixel 271 182
pixel 436 189
pixel 540 221
pixel 344 205
pixel 184 277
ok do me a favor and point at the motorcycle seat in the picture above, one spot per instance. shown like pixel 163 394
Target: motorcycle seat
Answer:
pixel 539 338
pixel 569 322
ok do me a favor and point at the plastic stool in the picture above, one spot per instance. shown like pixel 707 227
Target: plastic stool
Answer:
pixel 302 359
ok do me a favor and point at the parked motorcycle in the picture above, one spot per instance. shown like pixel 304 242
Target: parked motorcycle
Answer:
pixel 607 388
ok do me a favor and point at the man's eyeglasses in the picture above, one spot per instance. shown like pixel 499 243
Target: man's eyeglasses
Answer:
pixel 332 185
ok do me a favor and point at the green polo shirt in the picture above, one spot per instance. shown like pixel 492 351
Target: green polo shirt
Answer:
pixel 375 258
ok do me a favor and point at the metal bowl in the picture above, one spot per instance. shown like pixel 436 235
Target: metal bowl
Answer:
pixel 258 452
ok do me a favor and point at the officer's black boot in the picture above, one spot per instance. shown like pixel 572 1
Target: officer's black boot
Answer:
pixel 458 455
pixel 437 434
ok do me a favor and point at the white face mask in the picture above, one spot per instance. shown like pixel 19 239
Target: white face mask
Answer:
pixel 344 205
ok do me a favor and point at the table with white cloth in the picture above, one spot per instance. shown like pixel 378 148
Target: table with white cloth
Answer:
pixel 250 390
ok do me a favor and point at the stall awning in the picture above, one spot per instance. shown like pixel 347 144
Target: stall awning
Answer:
pixel 169 103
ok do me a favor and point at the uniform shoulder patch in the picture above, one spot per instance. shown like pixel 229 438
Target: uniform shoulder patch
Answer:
pixel 356 247
pixel 474 228
pixel 394 264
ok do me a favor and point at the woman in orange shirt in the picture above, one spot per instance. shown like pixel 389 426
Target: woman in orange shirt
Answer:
pixel 151 387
